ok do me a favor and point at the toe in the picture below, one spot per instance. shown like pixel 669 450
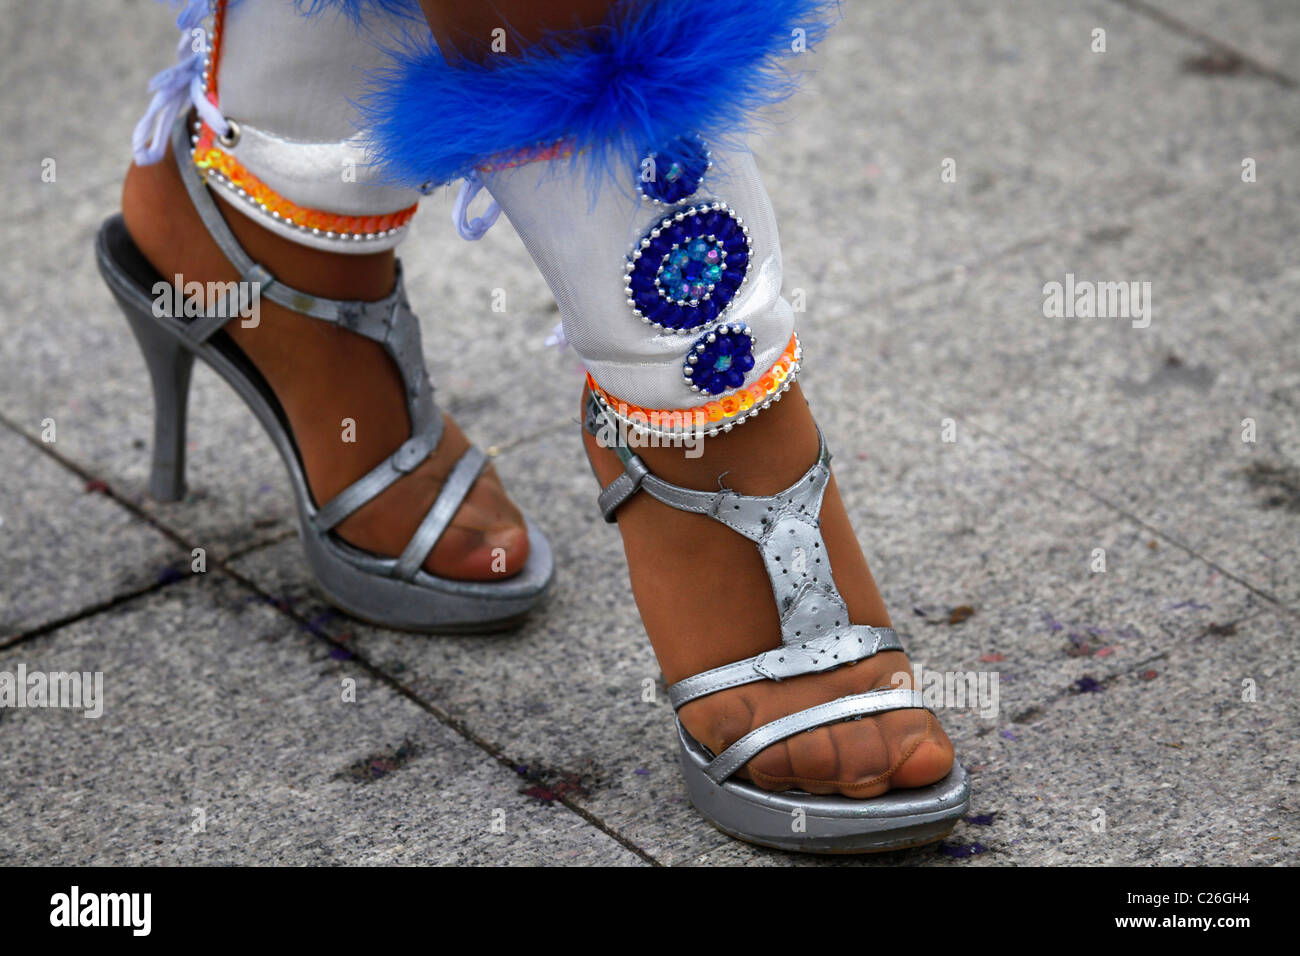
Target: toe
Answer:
pixel 808 761
pixel 858 758
pixel 927 757
pixel 487 539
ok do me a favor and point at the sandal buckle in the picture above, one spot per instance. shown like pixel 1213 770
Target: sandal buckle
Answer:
pixel 412 452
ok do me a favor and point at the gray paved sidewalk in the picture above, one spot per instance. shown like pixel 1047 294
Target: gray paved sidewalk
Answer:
pixel 1146 713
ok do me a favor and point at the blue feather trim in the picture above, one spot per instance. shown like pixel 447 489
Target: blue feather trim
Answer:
pixel 654 70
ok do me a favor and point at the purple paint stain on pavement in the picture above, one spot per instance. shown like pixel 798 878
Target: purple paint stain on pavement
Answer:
pixel 544 793
pixel 1087 685
pixel 959 851
pixel 641 772
pixel 380 765
pixel 982 819
pixel 341 654
pixel 280 604
pixel 1008 735
pixel 1052 623
pixel 169 575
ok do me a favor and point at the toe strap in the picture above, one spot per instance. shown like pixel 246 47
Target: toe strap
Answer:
pixel 459 482
pixel 844 708
pixel 846 645
pixel 376 481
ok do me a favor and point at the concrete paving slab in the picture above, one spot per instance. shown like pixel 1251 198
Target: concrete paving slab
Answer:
pixel 65 548
pixel 1151 419
pixel 1265 31
pixel 1044 134
pixel 75 77
pixel 1187 761
pixel 225 738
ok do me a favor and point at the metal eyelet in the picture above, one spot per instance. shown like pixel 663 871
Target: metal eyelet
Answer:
pixel 231 139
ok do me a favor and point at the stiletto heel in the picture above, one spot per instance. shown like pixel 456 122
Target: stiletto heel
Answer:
pixel 169 365
pixel 389 591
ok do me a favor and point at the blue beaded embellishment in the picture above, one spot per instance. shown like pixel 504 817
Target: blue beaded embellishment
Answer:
pixel 687 269
pixel 719 361
pixel 678 167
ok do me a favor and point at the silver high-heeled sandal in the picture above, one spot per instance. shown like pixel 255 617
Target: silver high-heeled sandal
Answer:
pixel 816 636
pixel 390 592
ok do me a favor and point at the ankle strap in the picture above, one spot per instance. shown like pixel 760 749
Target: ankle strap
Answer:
pixel 369 319
pixel 745 514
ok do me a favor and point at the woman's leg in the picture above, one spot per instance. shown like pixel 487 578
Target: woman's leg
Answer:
pixel 470 29
pixel 701 588
pixel 270 74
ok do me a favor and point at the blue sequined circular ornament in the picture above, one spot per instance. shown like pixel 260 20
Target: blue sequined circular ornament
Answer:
pixel 719 361
pixel 687 269
pixel 675 170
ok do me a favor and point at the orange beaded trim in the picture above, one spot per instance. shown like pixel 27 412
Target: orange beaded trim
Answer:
pixel 212 160
pixel 722 413
pixel 529 154
pixel 219 165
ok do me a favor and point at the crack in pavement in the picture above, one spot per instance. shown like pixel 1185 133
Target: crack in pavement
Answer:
pixel 1183 28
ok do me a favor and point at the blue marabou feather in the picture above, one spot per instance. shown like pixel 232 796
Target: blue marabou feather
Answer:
pixel 655 69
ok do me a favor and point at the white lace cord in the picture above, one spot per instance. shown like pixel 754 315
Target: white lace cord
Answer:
pixel 475 229
pixel 172 87
pixel 472 229
pixel 556 339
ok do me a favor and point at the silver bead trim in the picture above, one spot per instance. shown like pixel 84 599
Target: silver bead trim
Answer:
pixel 713 428
pixel 213 176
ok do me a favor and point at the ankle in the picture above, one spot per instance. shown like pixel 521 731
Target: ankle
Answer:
pixel 332 275
pixel 765 455
pixel 163 223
